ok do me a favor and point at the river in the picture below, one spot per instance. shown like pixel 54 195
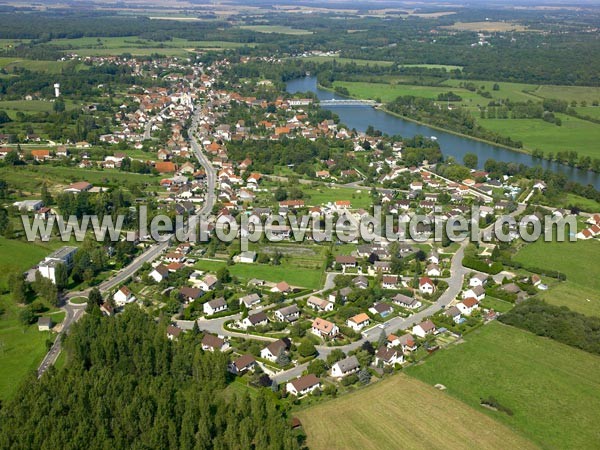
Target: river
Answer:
pixel 360 117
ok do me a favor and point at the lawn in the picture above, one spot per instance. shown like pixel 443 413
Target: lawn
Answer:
pixel 20 255
pixel 288 271
pixel 401 412
pixel 552 389
pixel 496 304
pixel 359 198
pixel 574 134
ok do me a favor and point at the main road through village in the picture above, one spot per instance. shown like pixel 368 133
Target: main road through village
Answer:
pixel 75 311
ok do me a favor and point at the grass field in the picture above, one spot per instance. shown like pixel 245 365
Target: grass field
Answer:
pixel 21 348
pixel 569 93
pixel 39 66
pixel 552 389
pixel 401 412
pixel 488 26
pixel 287 271
pixel 30 178
pixel 586 204
pixel 592 111
pixel 574 134
pixel 434 66
pixel 281 29
pixel 359 198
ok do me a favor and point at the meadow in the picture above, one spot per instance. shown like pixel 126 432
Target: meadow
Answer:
pixel 574 134
pixel 281 29
pixel 21 347
pixel 552 390
pixel 488 25
pixel 317 196
pixel 358 62
pixel 402 412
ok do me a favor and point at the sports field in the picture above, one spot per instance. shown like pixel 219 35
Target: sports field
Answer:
pixel 402 412
pixel 552 390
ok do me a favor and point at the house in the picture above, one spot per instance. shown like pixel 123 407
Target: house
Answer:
pixel 407 343
pixel 288 313
pixel 250 300
pixel 406 302
pixel 215 306
pixel 454 313
pixel 40 155
pixel 255 320
pixel 388 356
pixel 29 205
pixel 123 296
pixel 424 328
pixel 342 293
pixel 274 349
pixel 324 328
pixel 80 186
pixel 318 304
pixel 208 283
pixel 346 261
pixel 468 305
pixel 282 287
pixel 303 385
pixel 360 282
pixel 107 309
pixel 159 273
pixel 477 292
pixel 247 257
pixel 426 286
pixel 210 343
pixel 382 309
pixel 345 367
pixel 358 322
pixel 433 270
pixel 189 294
pixel 44 324
pixel 389 281
pixel 174 257
pixel 173 332
pixel 535 280
pixel 242 364
pixel 479 279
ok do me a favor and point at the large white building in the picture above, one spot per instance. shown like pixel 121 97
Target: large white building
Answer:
pixel 64 255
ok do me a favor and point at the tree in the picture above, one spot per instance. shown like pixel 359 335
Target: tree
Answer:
pixel 61 276
pixel 27 316
pixel 4 118
pixel 306 349
pixel 17 287
pixel 94 299
pixel 382 341
pixel 364 376
pixel 470 160
pixel 59 106
pixel 46 197
pixel 335 356
pixel 12 158
pixel 223 275
pixel 283 359
pixel 317 367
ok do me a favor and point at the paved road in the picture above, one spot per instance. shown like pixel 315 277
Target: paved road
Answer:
pixel 75 312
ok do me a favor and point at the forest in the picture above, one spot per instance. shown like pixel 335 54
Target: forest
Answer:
pixel 127 386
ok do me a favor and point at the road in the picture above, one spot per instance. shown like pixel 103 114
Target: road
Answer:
pixel 75 312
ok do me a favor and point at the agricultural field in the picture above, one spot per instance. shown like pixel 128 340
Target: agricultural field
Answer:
pixel 552 390
pixel 592 111
pixel 519 92
pixel 281 29
pixel 569 93
pixel 38 66
pixel 489 26
pixel 402 412
pixel 575 134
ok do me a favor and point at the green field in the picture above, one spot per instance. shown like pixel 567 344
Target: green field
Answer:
pixel 512 91
pixel 552 389
pixel 402 412
pixel 574 134
pixel 281 29
pixel 390 91
pixel 30 178
pixel 585 204
pixel 287 271
pixel 316 196
pixel 39 66
pixel 592 111
pixel 568 93
pixel 21 348
pixel 579 261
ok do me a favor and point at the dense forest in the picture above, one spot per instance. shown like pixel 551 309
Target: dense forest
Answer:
pixel 127 386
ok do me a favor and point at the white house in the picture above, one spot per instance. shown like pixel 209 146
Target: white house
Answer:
pixel 479 279
pixel 250 300
pixel 255 320
pixel 319 304
pixel 208 283
pixel 426 286
pixel 424 328
pixel 123 296
pixel 303 385
pixel 159 273
pixel 388 356
pixel 324 328
pixel 477 292
pixel 215 306
pixel 345 367
pixel 274 349
pixel 358 322
pixel 433 270
pixel 468 305
pixel 406 302
pixel 288 313
pixel 247 257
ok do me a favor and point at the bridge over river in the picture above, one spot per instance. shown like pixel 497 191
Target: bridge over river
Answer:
pixel 347 102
